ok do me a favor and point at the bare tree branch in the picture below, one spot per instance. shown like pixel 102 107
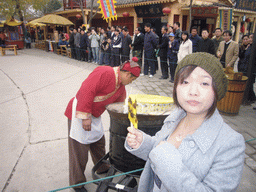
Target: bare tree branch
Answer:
pixel 91 12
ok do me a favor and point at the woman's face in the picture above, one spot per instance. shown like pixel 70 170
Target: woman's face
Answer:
pixel 245 40
pixel 195 94
pixel 183 36
pixel 250 39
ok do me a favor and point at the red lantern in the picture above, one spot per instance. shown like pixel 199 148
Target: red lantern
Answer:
pixel 247 20
pixel 166 10
pixel 78 16
pixel 126 14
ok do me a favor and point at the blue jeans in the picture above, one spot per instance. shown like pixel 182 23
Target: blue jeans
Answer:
pixel 95 53
pixel 102 57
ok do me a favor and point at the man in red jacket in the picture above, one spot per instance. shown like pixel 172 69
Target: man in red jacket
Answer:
pixel 105 85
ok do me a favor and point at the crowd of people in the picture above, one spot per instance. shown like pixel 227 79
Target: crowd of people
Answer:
pixel 114 45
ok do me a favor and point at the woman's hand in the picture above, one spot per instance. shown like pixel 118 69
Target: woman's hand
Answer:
pixel 86 123
pixel 134 138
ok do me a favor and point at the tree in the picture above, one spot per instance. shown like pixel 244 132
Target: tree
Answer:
pixel 190 14
pixel 81 4
pixel 91 12
pixel 51 6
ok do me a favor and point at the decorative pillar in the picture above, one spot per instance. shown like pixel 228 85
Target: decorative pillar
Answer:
pixel 245 27
pixel 170 19
pixel 238 26
pixel 135 21
pixel 86 19
pixel 254 24
pixel 67 29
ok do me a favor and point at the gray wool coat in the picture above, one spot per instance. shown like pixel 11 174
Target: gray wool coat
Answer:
pixel 211 159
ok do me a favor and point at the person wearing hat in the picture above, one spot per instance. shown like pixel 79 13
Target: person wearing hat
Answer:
pixel 173 50
pixel 105 85
pixel 195 150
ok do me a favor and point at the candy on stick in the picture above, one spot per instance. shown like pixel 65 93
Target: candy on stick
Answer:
pixel 132 113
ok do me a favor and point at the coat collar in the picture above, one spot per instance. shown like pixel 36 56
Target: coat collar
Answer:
pixel 206 134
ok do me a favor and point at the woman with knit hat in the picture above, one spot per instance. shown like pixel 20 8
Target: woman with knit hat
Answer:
pixel 195 150
pixel 105 85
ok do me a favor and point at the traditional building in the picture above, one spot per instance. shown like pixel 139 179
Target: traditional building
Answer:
pixel 238 16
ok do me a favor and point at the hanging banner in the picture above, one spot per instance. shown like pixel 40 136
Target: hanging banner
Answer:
pixel 226 17
pixel 108 10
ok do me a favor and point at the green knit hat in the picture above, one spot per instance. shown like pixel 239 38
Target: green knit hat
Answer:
pixel 211 65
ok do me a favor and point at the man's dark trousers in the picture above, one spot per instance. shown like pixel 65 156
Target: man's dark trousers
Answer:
pixel 164 67
pixel 149 62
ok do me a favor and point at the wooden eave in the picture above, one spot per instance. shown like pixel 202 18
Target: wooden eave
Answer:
pixel 144 3
pixel 245 11
pixel 72 11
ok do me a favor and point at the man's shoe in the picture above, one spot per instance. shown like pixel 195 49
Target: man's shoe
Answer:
pixel 80 189
pixel 150 76
pixel 142 74
pixel 172 81
pixel 163 77
pixel 102 172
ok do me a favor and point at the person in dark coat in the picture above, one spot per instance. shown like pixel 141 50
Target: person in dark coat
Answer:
pixel 126 44
pixel 90 57
pixel 243 67
pixel 176 27
pixel 137 45
pixel 108 32
pixel 116 48
pixel 72 43
pixel 83 45
pixel 173 49
pixel 156 50
pixel 206 44
pixel 150 44
pixel 217 39
pixel 194 37
pixel 243 55
pixel 107 50
pixel 163 48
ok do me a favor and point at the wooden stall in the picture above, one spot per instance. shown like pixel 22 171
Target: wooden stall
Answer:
pixel 13 32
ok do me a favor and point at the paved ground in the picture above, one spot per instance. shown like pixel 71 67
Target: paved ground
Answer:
pixel 35 89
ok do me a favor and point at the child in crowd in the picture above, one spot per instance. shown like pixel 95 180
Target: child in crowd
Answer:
pixel 107 50
pixel 28 41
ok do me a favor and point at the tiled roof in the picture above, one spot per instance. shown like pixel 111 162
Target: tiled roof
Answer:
pixel 127 2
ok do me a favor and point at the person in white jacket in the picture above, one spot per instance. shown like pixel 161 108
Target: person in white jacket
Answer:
pixel 186 46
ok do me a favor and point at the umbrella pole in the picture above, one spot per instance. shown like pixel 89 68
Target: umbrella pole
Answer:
pixel 45 31
pixel 68 29
pixel 36 34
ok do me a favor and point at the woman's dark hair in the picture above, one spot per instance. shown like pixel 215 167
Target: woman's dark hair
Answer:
pixel 245 36
pixel 185 33
pixel 184 73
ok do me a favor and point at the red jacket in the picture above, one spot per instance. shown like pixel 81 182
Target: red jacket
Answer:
pixel 96 92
